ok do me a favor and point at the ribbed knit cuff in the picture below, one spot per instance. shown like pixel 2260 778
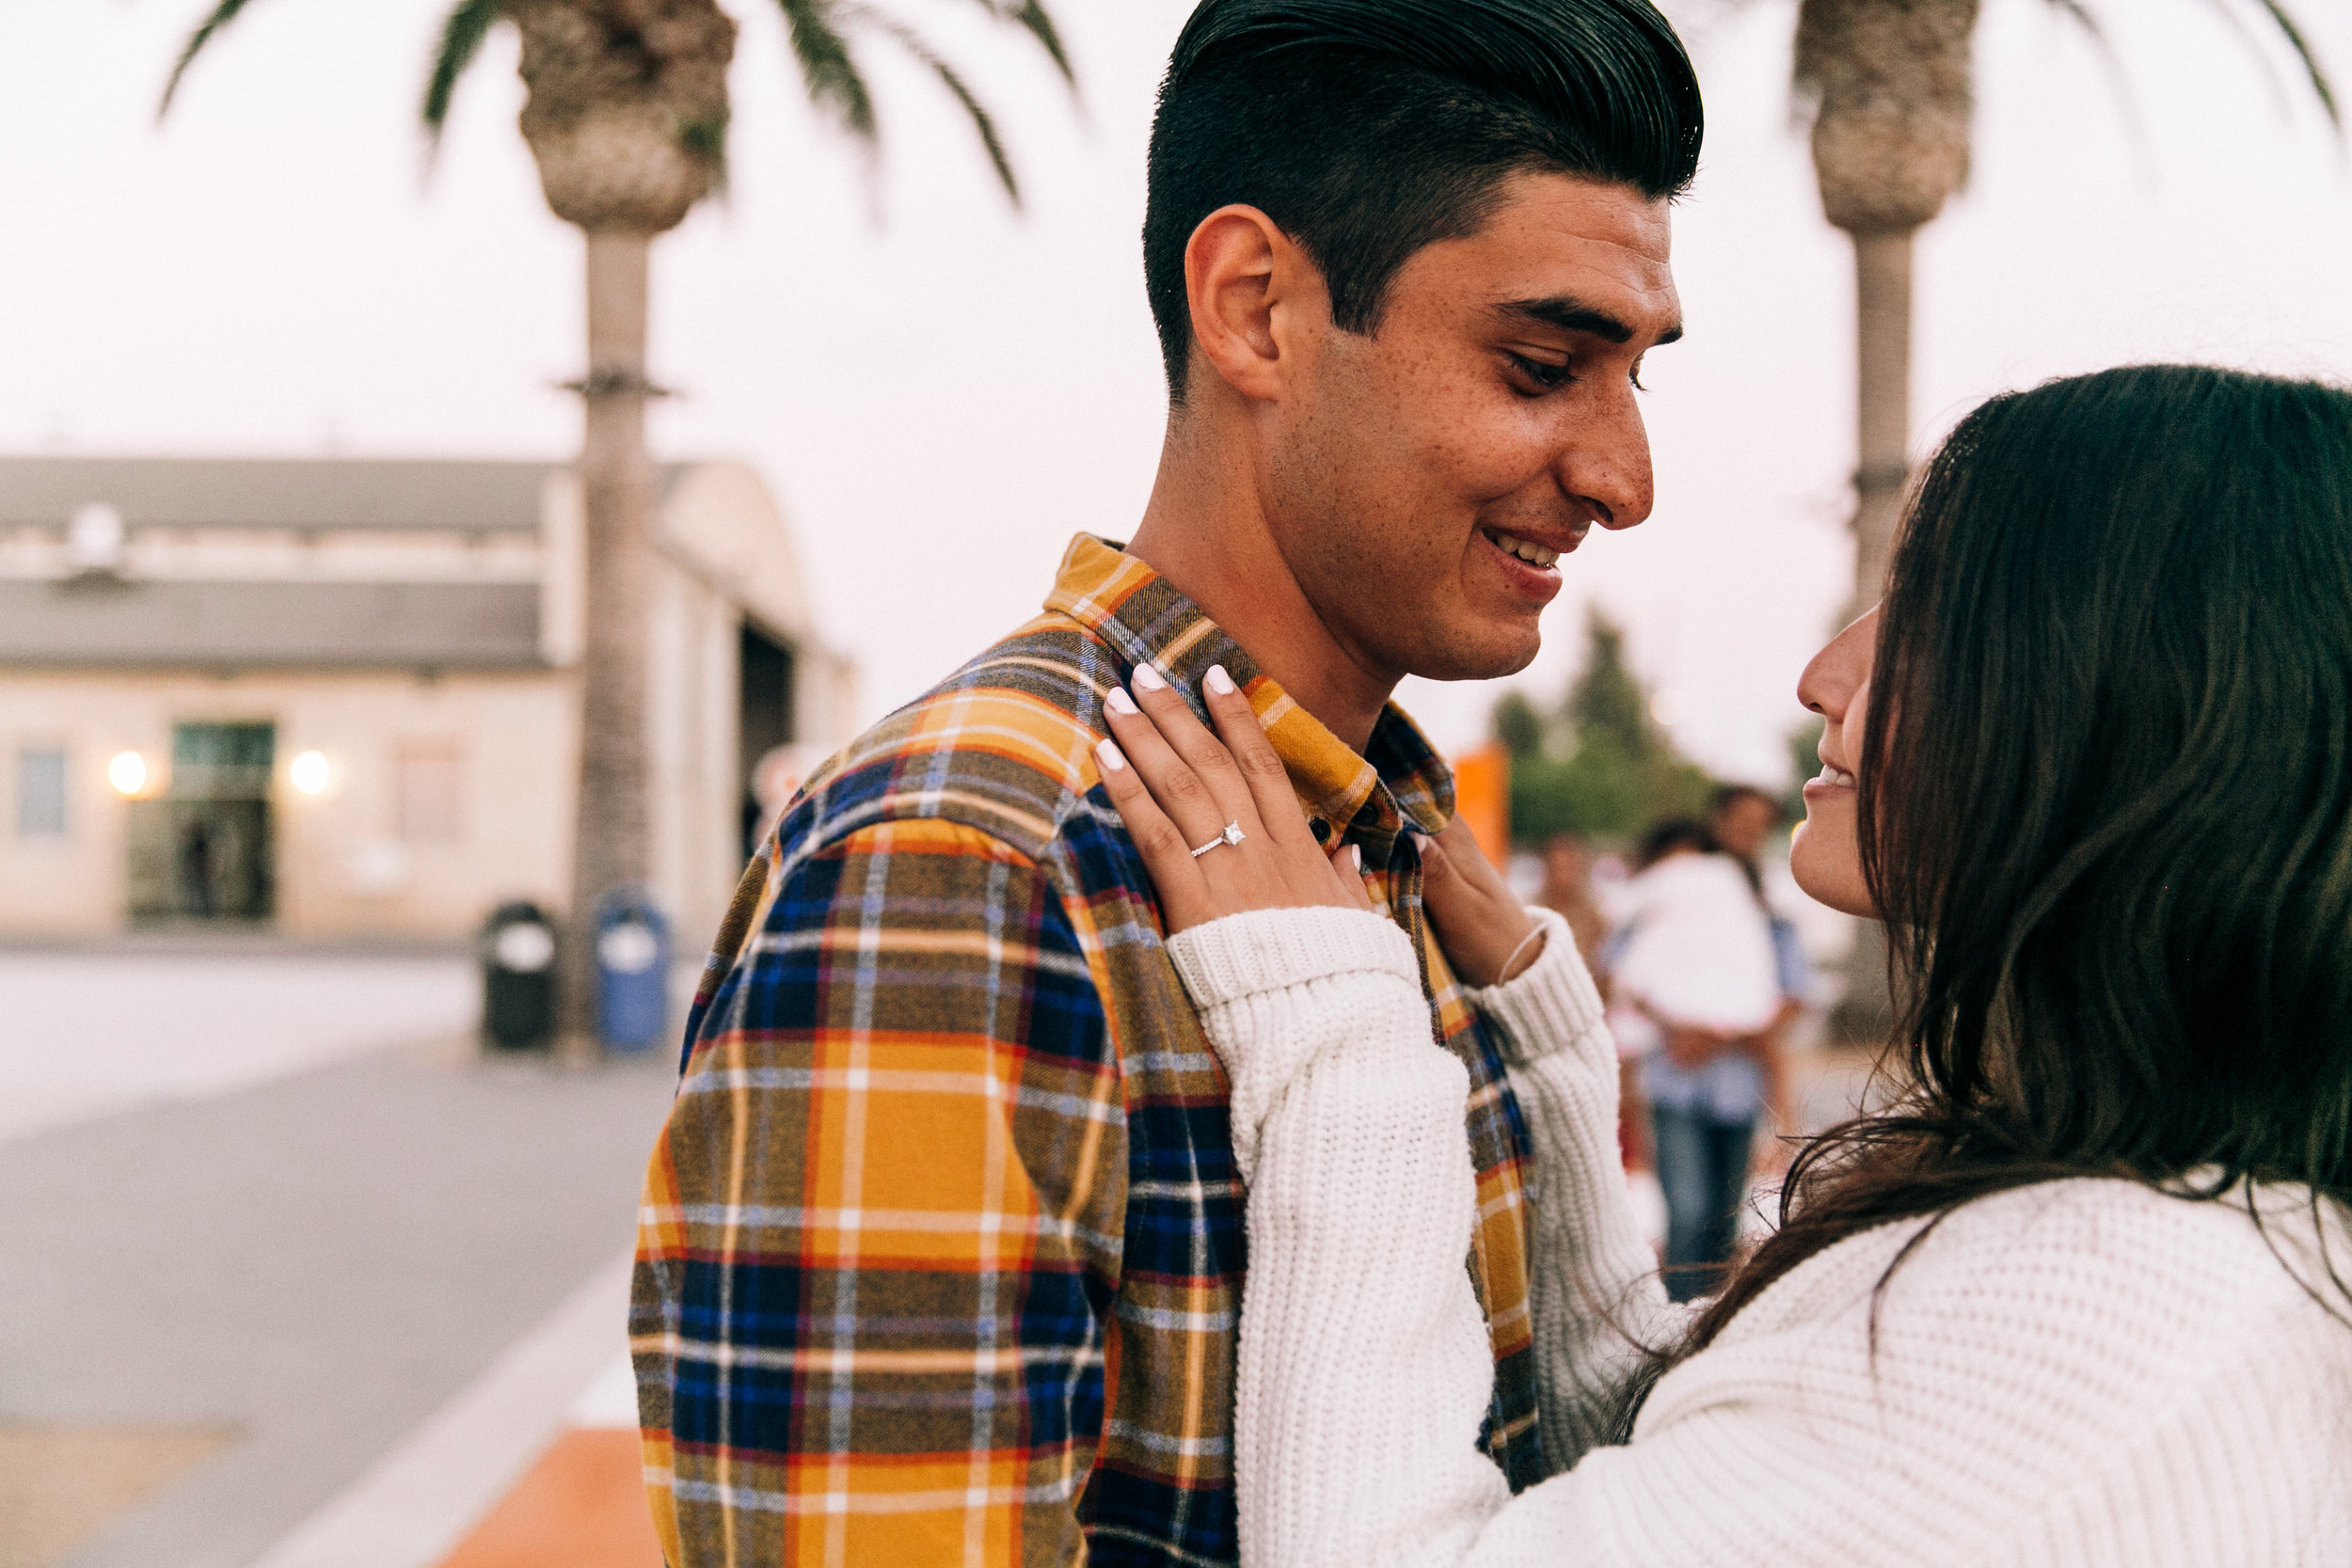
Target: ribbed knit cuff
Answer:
pixel 1551 1005
pixel 1264 950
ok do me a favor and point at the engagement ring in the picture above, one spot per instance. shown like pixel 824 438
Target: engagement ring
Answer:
pixel 1233 834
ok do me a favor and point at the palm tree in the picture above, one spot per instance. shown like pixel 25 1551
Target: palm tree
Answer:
pixel 627 118
pixel 1892 83
pixel 1893 86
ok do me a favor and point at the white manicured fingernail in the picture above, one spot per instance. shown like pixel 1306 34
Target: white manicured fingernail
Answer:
pixel 1220 682
pixel 1107 752
pixel 1118 701
pixel 1148 678
pixel 1356 858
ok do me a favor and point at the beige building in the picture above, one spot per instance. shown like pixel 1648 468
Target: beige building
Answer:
pixel 340 697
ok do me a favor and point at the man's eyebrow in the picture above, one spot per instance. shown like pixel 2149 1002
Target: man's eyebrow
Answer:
pixel 1563 315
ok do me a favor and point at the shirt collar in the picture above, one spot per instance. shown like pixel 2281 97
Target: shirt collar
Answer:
pixel 1398 784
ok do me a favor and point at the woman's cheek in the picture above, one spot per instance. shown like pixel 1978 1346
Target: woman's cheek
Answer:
pixel 1826 861
pixel 1854 734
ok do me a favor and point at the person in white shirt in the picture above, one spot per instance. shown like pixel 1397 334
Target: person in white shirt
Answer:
pixel 1698 1002
pixel 2082 1293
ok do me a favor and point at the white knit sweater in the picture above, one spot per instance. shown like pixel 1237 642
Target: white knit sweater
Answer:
pixel 2083 1372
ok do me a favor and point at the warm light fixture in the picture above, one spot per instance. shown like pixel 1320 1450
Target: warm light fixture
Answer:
pixel 127 773
pixel 309 773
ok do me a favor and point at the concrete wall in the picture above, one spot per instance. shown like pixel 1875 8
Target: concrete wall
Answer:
pixel 344 866
pixel 691 742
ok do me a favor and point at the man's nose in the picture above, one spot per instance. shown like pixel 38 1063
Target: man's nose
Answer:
pixel 1604 459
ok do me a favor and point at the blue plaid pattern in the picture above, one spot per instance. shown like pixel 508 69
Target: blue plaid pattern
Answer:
pixel 942 1248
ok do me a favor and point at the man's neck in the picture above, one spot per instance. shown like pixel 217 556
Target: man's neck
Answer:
pixel 1205 530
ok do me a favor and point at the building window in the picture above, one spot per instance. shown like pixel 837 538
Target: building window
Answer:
pixel 40 793
pixel 222 762
pixel 429 787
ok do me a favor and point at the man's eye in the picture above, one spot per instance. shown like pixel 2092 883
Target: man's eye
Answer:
pixel 1546 376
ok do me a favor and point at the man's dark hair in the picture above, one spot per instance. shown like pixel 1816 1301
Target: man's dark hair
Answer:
pixel 1368 129
pixel 1676 833
pixel 1727 796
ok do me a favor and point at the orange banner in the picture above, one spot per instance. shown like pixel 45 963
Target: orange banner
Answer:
pixel 1482 798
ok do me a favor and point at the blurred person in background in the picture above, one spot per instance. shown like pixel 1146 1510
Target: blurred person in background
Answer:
pixel 776 780
pixel 1698 998
pixel 942 1248
pixel 1742 819
pixel 1568 892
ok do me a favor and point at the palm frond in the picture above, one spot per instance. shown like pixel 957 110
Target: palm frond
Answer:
pixel 2272 77
pixel 2119 80
pixel 1031 17
pixel 462 33
pixel 2322 86
pixel 827 69
pixel 2320 83
pixel 222 15
pixel 912 42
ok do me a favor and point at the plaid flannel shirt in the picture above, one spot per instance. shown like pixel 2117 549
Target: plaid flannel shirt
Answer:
pixel 941 1251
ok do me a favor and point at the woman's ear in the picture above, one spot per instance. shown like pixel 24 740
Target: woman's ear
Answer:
pixel 1252 290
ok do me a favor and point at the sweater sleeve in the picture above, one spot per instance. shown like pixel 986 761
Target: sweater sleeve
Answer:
pixel 1599 1302
pixel 1347 1120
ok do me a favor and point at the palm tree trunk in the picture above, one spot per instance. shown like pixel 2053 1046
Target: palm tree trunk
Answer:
pixel 1883 447
pixel 613 829
pixel 1882 466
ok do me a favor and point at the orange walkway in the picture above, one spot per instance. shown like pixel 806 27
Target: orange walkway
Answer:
pixel 582 1506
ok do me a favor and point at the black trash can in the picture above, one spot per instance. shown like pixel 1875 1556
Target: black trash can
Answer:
pixel 519 978
pixel 632 971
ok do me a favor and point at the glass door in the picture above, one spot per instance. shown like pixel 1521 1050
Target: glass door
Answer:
pixel 205 852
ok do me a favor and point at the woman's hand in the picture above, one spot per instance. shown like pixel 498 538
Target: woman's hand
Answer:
pixel 1176 786
pixel 1480 924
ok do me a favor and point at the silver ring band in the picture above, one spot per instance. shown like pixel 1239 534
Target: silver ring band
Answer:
pixel 1233 834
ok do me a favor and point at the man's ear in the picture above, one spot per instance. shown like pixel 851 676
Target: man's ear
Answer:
pixel 1255 300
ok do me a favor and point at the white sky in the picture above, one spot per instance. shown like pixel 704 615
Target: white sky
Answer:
pixel 943 398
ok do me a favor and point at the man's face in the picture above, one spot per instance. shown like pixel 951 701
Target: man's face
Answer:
pixel 1491 417
pixel 1743 825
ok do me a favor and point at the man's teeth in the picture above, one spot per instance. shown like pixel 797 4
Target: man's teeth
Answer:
pixel 1534 555
pixel 1834 776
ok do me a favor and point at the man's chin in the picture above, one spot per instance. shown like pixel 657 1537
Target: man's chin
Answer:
pixel 1480 658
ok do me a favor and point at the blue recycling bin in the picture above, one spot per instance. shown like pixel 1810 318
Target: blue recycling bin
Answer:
pixel 632 971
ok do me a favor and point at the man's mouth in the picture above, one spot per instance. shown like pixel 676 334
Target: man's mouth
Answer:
pixel 1526 549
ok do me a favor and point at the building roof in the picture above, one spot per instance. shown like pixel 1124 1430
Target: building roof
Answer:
pixel 429 599
pixel 472 625
pixel 322 493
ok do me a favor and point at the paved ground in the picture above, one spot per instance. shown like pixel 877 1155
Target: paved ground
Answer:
pixel 269 1277
pixel 84 1035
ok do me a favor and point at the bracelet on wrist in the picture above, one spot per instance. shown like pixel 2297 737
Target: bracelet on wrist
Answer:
pixel 1505 974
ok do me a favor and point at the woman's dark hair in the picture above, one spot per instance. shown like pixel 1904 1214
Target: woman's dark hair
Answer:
pixel 2107 809
pixel 1368 129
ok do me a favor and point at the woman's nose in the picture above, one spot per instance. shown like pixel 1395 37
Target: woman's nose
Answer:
pixel 1840 668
